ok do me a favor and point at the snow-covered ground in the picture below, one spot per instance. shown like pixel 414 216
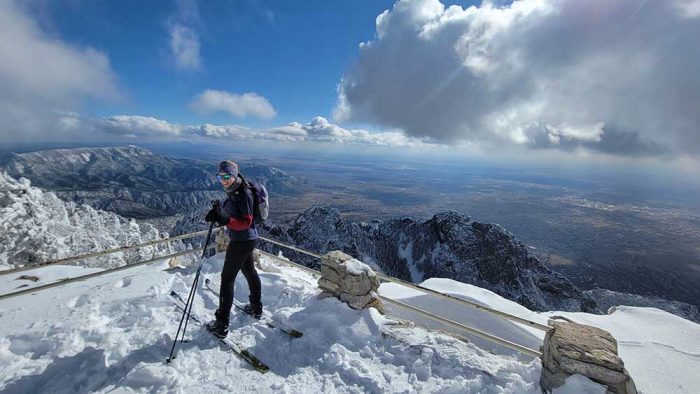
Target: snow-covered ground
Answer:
pixel 112 334
pixel 660 350
pixel 41 276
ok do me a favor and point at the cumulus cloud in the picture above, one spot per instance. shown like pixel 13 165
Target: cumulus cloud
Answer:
pixel 225 131
pixel 318 130
pixel 41 76
pixel 293 129
pixel 134 125
pixel 614 76
pixel 321 130
pixel 238 105
pixel 184 42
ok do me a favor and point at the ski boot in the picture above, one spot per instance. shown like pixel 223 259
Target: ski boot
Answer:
pixel 254 309
pixel 218 327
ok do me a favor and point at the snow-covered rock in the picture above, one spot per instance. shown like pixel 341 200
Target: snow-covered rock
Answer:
pixel 607 299
pixel 449 245
pixel 570 348
pixel 350 280
pixel 36 226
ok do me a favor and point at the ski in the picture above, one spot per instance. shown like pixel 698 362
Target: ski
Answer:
pixel 267 319
pixel 242 353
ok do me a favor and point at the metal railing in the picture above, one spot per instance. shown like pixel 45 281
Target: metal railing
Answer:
pixel 383 277
pixel 102 253
pixel 424 313
pixel 472 304
pixel 292 247
pixel 95 274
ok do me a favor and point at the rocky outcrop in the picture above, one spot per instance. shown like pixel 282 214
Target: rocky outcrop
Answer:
pixel 570 348
pixel 449 245
pixel 350 280
pixel 607 299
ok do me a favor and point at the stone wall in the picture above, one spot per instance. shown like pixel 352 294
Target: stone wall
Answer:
pixel 571 348
pixel 221 239
pixel 350 280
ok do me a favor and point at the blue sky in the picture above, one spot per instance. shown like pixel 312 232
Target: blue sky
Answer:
pixel 561 80
pixel 292 53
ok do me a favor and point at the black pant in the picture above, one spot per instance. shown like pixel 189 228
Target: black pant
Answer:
pixel 239 257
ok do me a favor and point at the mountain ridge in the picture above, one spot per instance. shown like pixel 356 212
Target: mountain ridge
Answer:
pixel 132 181
pixel 447 245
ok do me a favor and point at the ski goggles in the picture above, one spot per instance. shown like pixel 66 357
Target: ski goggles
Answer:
pixel 224 177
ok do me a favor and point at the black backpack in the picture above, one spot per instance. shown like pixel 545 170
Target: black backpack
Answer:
pixel 261 200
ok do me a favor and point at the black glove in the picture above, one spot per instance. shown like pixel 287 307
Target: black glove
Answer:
pixel 214 215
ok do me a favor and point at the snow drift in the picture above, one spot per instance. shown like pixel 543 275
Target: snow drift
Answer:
pixel 113 333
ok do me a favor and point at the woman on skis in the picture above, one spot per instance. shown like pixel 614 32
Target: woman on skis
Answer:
pixel 236 213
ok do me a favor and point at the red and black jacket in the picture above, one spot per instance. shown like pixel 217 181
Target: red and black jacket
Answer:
pixel 238 211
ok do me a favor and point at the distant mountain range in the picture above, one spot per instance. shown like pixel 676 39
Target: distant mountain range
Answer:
pixel 133 181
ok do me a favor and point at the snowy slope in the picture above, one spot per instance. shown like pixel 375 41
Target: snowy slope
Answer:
pixel 660 350
pixel 113 332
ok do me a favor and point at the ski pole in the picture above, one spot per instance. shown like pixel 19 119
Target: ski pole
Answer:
pixel 190 298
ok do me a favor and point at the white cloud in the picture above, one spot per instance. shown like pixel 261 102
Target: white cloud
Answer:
pixel 41 76
pixel 318 130
pixel 68 121
pixel 184 41
pixel 320 126
pixel 238 105
pixel 134 125
pixel 500 75
pixel 592 132
pixel 226 131
pixel 184 46
pixel 292 130
pixel 688 8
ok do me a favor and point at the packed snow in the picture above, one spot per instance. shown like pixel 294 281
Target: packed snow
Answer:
pixel 113 333
pixel 660 350
pixel 42 276
pixel 356 267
